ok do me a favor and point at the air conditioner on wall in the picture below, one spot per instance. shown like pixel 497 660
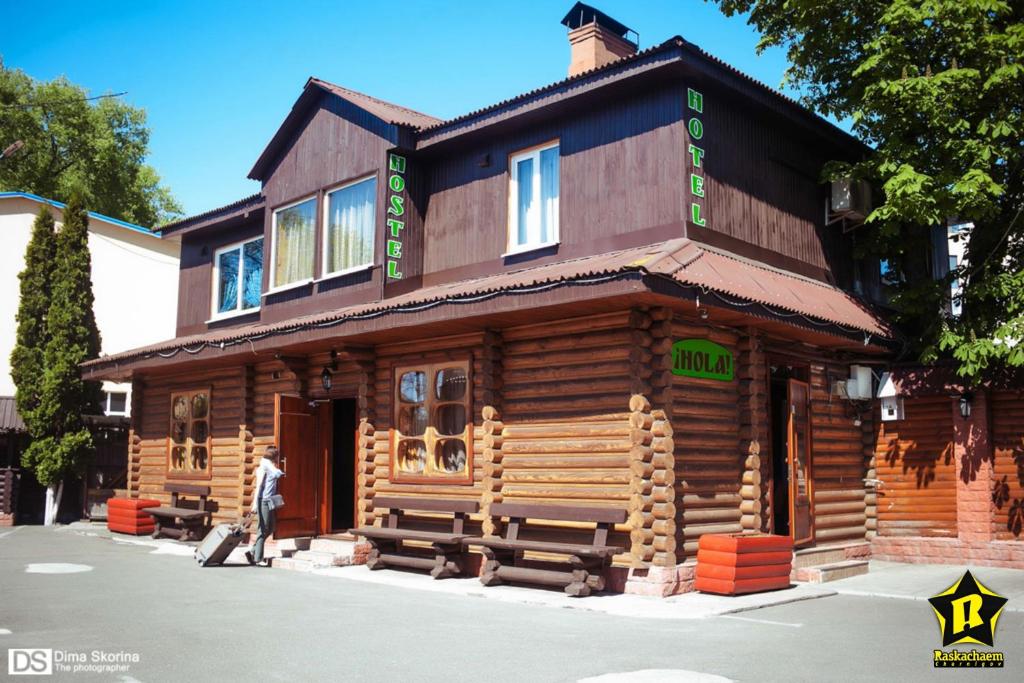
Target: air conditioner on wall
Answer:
pixel 858 387
pixel 851 199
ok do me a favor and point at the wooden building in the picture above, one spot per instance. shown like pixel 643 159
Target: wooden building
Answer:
pixel 621 289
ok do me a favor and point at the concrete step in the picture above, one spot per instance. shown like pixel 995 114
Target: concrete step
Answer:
pixel 831 572
pixel 292 564
pixel 333 545
pixel 811 557
pixel 292 543
pixel 319 558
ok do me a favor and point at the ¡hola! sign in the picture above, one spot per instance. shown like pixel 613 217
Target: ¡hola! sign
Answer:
pixel 702 358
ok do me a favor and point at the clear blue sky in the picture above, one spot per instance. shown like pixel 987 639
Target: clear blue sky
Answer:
pixel 217 78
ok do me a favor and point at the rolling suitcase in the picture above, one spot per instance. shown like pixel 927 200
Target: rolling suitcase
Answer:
pixel 218 544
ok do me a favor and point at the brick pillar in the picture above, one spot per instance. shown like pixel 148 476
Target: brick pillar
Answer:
pixel 973 452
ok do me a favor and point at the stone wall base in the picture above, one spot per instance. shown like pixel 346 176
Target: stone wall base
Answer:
pixel 660 581
pixel 7 519
pixel 925 550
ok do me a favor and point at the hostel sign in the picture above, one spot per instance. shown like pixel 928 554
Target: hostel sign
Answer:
pixel 702 358
pixel 695 126
pixel 395 215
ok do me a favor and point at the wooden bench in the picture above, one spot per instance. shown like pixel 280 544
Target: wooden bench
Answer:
pixel 388 541
pixel 586 561
pixel 191 521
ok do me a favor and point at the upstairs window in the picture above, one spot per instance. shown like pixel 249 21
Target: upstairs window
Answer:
pixel 533 199
pixel 432 438
pixel 237 277
pixel 349 227
pixel 294 242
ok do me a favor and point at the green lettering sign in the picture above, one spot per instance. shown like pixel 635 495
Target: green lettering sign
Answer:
pixel 697 153
pixel 695 100
pixel 696 185
pixel 394 249
pixel 702 358
pixel 397 183
pixel 696 128
pixel 396 227
pixel 396 163
pixel 397 205
pixel 695 215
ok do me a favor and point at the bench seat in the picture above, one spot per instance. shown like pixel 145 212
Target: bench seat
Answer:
pixel 408 534
pixel 178 513
pixel 547 547
pixel 191 521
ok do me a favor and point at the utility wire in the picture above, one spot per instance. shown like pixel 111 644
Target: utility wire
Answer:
pixel 29 105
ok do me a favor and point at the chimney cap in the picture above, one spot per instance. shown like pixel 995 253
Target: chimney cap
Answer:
pixel 582 14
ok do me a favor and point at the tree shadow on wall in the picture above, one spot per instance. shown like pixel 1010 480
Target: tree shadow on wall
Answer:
pixel 972 460
pixel 912 457
pixel 1001 493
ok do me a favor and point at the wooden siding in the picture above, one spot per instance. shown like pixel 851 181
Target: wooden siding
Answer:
pixel 1007 424
pixel 914 458
pixel 709 460
pixel 838 463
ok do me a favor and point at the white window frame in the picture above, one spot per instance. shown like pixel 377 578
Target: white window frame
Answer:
pixel 274 287
pixel 106 403
pixel 326 274
pixel 215 294
pixel 513 200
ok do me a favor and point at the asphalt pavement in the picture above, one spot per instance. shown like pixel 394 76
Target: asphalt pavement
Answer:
pixel 134 612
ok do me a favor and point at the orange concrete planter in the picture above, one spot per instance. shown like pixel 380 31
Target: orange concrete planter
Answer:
pixel 125 515
pixel 736 564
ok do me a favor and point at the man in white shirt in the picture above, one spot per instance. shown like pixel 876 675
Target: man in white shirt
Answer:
pixel 267 475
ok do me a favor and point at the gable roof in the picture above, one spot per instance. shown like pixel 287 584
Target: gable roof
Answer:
pixel 92 214
pixel 387 112
pixel 238 208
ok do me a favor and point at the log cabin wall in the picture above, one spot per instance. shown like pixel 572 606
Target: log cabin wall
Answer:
pixel 914 457
pixel 838 465
pixel 1007 424
pixel 709 456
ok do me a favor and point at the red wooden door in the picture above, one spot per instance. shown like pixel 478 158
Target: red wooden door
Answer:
pixel 295 433
pixel 801 514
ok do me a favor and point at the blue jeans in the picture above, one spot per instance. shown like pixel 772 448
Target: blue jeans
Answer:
pixel 268 518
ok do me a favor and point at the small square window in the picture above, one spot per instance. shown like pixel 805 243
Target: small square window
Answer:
pixel 117 402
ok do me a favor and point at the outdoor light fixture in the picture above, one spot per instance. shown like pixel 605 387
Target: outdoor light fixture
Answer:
pixel 965 404
pixel 327 378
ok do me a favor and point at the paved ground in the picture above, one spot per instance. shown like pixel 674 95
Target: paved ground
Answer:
pixel 240 623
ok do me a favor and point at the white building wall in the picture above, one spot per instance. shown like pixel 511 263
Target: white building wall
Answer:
pixel 134 280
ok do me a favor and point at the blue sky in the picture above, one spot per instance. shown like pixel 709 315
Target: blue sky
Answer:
pixel 217 78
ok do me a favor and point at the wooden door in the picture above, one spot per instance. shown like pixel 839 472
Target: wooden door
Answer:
pixel 295 433
pixel 801 513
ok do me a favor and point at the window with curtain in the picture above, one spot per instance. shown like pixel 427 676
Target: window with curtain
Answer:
pixel 294 243
pixel 189 442
pixel 238 277
pixel 349 226
pixel 533 198
pixel 432 437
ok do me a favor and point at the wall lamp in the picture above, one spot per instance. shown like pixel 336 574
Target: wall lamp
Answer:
pixel 966 399
pixel 327 374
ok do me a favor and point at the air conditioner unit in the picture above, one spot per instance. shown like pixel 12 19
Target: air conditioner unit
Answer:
pixel 851 199
pixel 858 387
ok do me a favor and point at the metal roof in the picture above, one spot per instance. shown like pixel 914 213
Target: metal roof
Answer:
pixel 10 420
pixel 254 201
pixel 92 214
pixel 735 281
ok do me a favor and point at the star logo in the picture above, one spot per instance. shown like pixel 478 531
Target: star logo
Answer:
pixel 967 612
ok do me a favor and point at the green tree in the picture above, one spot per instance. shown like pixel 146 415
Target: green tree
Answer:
pixel 27 359
pixel 62 444
pixel 934 88
pixel 97 148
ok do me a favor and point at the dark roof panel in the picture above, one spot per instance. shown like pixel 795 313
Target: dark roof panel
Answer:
pixel 10 420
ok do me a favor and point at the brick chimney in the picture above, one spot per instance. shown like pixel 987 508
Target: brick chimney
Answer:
pixel 595 39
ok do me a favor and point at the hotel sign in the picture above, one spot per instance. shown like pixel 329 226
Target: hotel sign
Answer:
pixel 702 358
pixel 695 126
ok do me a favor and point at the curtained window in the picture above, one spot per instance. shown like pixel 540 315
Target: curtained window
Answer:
pixel 294 243
pixel 349 226
pixel 533 198
pixel 238 277
pixel 189 442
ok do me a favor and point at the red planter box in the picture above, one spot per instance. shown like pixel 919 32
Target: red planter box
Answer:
pixel 730 564
pixel 125 515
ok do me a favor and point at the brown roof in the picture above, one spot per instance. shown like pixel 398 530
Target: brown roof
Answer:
pixel 10 420
pixel 253 201
pixel 732 280
pixel 385 111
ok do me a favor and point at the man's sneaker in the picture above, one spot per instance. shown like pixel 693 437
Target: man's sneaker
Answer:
pixel 249 558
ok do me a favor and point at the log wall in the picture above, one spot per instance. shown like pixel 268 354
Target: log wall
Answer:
pixel 1007 424
pixel 838 463
pixel 914 458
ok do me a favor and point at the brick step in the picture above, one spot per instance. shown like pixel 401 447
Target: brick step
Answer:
pixel 831 572
pixel 319 558
pixel 333 545
pixel 829 554
pixel 291 564
pixel 293 543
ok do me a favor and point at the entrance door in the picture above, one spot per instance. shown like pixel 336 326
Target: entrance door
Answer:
pixel 295 434
pixel 799 459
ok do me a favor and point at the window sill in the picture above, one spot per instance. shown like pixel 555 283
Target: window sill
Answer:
pixel 291 285
pixel 527 249
pixel 347 271
pixel 232 314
